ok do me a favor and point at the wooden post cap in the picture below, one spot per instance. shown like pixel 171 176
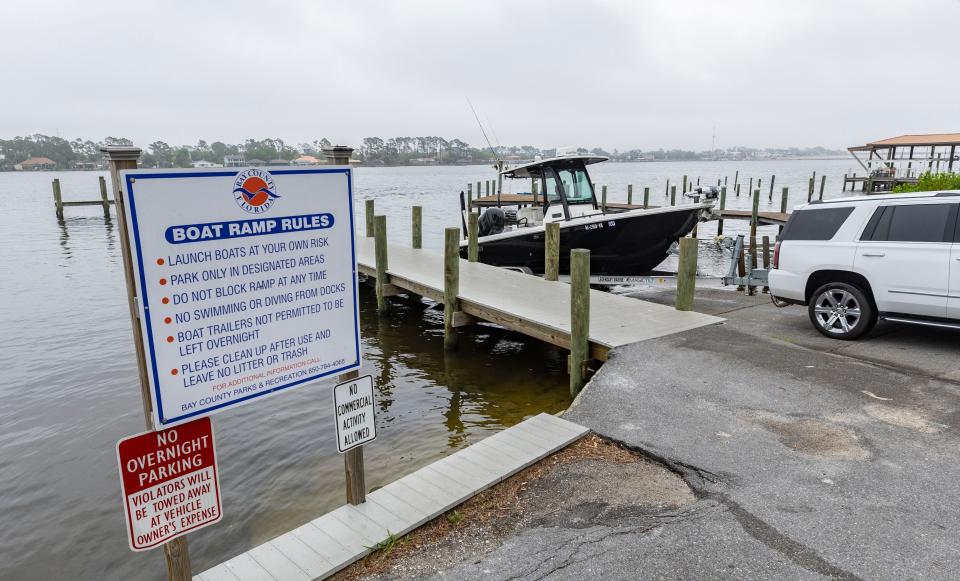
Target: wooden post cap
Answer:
pixel 121 152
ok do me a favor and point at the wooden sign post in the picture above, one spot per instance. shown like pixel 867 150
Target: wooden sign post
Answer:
pixel 353 458
pixel 124 157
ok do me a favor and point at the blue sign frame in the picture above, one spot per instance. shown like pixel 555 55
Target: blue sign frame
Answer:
pixel 130 178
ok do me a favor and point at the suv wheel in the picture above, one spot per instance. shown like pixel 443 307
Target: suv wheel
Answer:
pixel 841 311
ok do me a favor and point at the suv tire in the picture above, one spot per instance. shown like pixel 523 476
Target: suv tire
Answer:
pixel 841 311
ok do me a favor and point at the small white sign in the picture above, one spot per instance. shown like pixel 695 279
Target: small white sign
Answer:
pixel 353 409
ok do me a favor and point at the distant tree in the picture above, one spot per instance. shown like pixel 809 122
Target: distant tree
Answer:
pixel 182 157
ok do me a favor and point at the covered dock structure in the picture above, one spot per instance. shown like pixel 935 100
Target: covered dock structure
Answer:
pixel 890 162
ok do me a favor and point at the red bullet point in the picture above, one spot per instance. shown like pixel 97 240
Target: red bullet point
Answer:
pixel 163 281
pixel 159 262
pixel 168 320
pixel 165 300
pixel 174 372
pixel 169 339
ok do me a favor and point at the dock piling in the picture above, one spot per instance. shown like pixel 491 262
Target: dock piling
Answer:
pixel 105 198
pixel 470 197
pixel 418 227
pixel 687 274
pixel 754 212
pixel 823 185
pixel 773 180
pixel 723 206
pixel 673 195
pixel 380 249
pixel 552 249
pixel 646 197
pixel 473 249
pixel 809 190
pixel 369 210
pixel 783 202
pixel 684 188
pixel 57 198
pixel 579 317
pixel 629 193
pixel 451 285
pixel 603 199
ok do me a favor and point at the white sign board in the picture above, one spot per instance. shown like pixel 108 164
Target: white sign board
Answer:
pixel 354 413
pixel 246 280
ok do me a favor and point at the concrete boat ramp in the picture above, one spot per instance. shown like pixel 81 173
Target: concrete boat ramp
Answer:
pixel 520 302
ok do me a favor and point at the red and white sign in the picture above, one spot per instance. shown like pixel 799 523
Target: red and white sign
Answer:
pixel 170 483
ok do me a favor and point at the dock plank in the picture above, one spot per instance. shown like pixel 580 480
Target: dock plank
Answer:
pixel 329 543
pixel 530 304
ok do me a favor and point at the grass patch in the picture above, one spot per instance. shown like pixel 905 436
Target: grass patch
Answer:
pixel 386 546
pixel 931 182
pixel 454 517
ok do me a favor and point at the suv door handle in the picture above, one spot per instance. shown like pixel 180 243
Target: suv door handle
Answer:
pixel 877 254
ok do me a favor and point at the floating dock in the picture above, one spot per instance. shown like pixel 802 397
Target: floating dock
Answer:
pixel 529 304
pixel 326 545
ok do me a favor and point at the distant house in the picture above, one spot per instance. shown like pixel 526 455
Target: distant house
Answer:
pixel 255 162
pixel 306 160
pixel 85 165
pixel 36 164
pixel 279 162
pixel 205 163
pixel 233 161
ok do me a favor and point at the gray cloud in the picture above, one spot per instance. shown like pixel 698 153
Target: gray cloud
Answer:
pixel 617 74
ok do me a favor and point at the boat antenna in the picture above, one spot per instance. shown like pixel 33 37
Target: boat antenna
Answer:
pixel 484 132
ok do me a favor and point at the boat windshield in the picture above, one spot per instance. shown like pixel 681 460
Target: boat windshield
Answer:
pixel 576 185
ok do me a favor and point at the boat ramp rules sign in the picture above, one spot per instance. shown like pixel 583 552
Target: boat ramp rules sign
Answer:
pixel 353 410
pixel 246 280
pixel 169 482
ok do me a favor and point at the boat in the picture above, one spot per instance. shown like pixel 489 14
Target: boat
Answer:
pixel 626 243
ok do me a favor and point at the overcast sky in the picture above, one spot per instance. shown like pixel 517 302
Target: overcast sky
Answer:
pixel 554 73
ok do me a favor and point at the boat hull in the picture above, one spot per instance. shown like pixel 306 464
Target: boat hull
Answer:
pixel 621 245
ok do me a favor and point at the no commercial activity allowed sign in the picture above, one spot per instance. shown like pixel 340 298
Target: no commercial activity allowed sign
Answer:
pixel 246 282
pixel 354 413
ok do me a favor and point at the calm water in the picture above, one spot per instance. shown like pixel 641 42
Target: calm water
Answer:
pixel 71 385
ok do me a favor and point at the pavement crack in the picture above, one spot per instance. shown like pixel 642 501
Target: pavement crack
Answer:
pixel 797 552
pixel 573 550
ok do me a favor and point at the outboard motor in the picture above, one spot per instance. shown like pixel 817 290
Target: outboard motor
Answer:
pixel 705 192
pixel 491 222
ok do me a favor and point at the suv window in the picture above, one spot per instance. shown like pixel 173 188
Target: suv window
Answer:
pixel 815 223
pixel 912 223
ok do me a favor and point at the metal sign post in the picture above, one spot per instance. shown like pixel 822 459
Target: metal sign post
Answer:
pixel 176 551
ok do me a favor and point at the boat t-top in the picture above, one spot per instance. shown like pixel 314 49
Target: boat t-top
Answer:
pixel 624 241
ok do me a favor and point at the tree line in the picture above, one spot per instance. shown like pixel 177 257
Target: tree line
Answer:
pixel 374 151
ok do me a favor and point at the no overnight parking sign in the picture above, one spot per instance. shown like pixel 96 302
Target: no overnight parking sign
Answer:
pixel 246 282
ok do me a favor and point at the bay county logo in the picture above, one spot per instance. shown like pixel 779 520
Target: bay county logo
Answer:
pixel 254 190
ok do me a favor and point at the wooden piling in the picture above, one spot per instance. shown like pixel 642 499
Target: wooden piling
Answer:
pixel 809 190
pixel 603 199
pixel 369 210
pixel 783 202
pixel 579 317
pixel 773 180
pixel 551 248
pixel 451 285
pixel 57 198
pixel 737 188
pixel 646 198
pixel 684 188
pixel 754 212
pixel 723 205
pixel 736 181
pixel 104 198
pixel 380 253
pixel 751 290
pixel 750 187
pixel 473 249
pixel 666 192
pixel 687 274
pixel 673 195
pixel 823 185
pixel 629 193
pixel 766 258
pixel 418 227
pixel 355 477
pixel 470 197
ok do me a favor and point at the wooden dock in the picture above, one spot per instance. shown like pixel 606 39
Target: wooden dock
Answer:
pixel 529 304
pixel 327 544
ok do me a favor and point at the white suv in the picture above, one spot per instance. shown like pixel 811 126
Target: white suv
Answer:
pixel 854 260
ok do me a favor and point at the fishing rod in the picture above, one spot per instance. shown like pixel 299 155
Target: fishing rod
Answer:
pixel 484 132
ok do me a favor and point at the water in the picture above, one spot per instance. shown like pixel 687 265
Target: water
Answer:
pixel 70 389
